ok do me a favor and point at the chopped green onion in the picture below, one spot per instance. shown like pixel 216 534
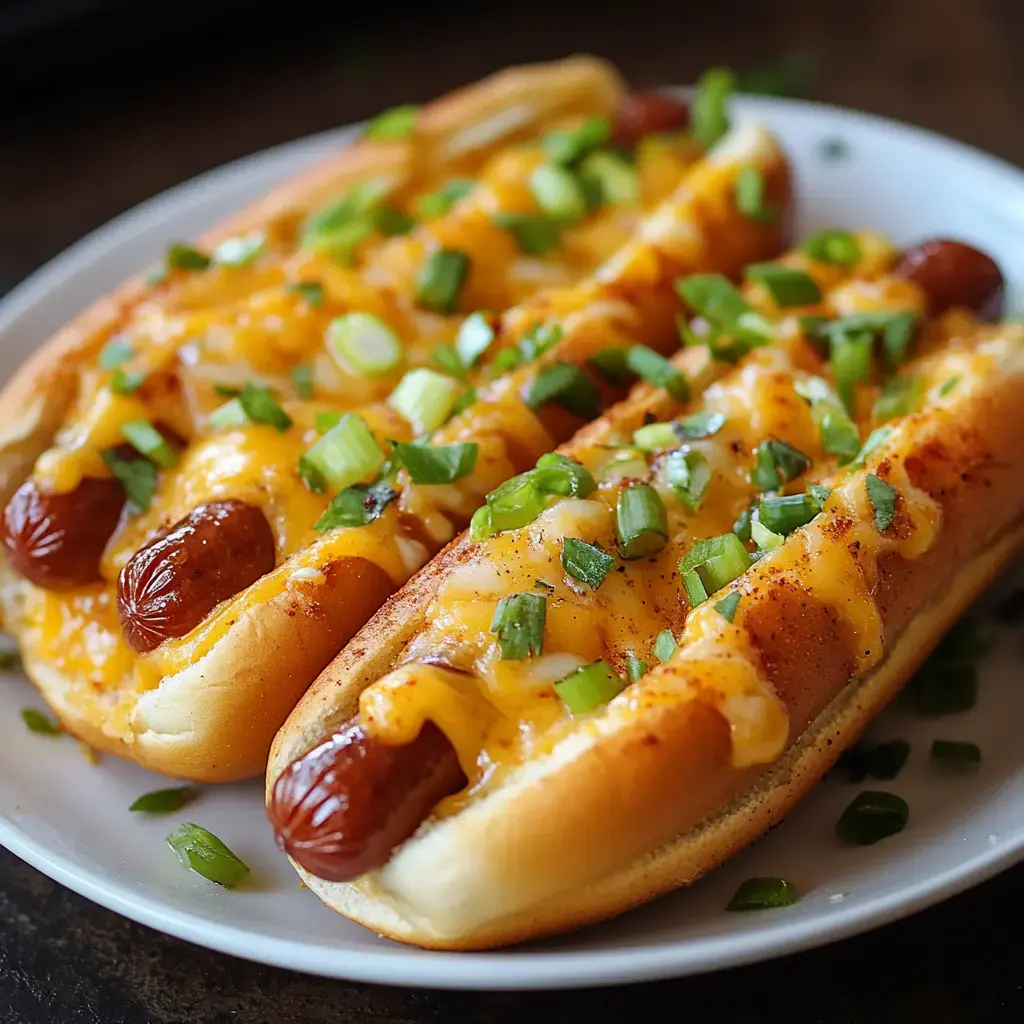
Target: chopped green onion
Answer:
pixel 877 437
pixel 311 291
pixel 39 723
pixel 728 605
pixel 589 687
pixel 441 279
pixel 357 505
pixel 180 256
pixel 116 351
pixel 535 234
pixel 788 287
pixel 897 335
pixel 346 454
pixel 229 416
pixel 205 854
pixel 302 379
pixel 948 385
pixel 391 221
pixel 635 668
pixel 625 467
pixel 743 523
pixel 127 382
pixel 944 691
pixel 656 436
pixel 884 761
pixel 711 564
pixel 340 226
pixel 610 364
pixel 850 360
pixel 763 894
pixel 240 251
pixel 437 204
pixel 640 521
pixel 776 463
pixel 558 193
pixel 260 407
pixel 783 514
pixel 833 246
pixel 566 385
pixel 819 493
pixel 448 359
pixel 838 432
pixel 872 816
pixel 665 646
pixel 480 525
pixel 899 397
pixel 515 503
pixel 956 754
pixel 713 297
pixel 136 476
pixel 163 801
pixel 616 179
pixel 709 118
pixel 437 464
pixel 364 343
pixel 765 539
pixel 586 563
pixel 394 123
pixel 558 474
pixel 568 146
pixel 539 339
pixel 519 625
pixel 148 441
pixel 699 425
pixel 474 338
pixel 425 398
pixel 688 474
pixel 883 501
pixel 750 196
pixel 657 370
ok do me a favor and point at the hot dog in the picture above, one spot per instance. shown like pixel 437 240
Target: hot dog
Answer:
pixel 256 451
pixel 877 519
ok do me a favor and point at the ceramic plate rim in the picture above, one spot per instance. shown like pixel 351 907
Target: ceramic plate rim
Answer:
pixel 509 970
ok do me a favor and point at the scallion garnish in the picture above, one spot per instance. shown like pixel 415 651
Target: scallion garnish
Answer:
pixel 657 370
pixel 610 364
pixel 394 123
pixel 899 397
pixel 37 722
pixel 850 359
pixel 568 146
pixel 711 564
pixel 437 464
pixel 425 398
pixel 640 521
pixel 762 894
pixel 513 504
pixel 742 525
pixel 750 195
pixel 566 385
pixel 656 436
pixel 665 646
pixel 589 687
pixel 136 476
pixel 311 291
pixel 127 382
pixel 164 801
pixel 714 298
pixel 345 455
pixel 559 193
pixel 699 425
pixel 302 379
pixel 819 493
pixel 447 357
pixel 883 501
pixel 765 539
pixel 241 250
pixel 782 514
pixel 871 817
pixel 728 605
pixel 518 623
pixel 441 279
pixel 181 256
pixel 833 246
pixel 948 385
pixel 535 234
pixel 539 339
pixel 148 441
pixel 476 333
pixel 116 351
pixel 688 474
pixel 956 754
pixel 787 286
pixel 585 562
pixel 838 432
pixel 391 221
pixel 616 179
pixel 357 505
pixel 709 118
pixel 205 854
pixel 338 228
pixel 776 463
pixel 635 668
pixel 260 407
pixel 437 204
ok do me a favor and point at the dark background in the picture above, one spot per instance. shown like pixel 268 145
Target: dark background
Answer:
pixel 105 102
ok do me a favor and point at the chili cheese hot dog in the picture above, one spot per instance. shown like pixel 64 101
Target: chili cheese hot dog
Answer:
pixel 255 454
pixel 499 755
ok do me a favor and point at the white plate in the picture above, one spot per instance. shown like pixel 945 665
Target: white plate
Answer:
pixel 71 821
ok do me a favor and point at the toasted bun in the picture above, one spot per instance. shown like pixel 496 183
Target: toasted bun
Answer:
pixel 585 832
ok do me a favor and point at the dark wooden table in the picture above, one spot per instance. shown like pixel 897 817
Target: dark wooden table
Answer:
pixel 78 148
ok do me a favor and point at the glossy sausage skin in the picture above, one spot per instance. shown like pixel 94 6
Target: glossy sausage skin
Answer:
pixel 643 113
pixel 176 580
pixel 341 809
pixel 56 540
pixel 953 274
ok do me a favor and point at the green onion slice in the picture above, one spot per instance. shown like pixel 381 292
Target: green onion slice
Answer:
pixel 205 854
pixel 762 894
pixel 394 123
pixel 364 343
pixel 260 407
pixel 776 463
pixel 514 504
pixel 899 397
pixel 688 474
pixel 948 385
pixel 425 398
pixel 850 359
pixel 871 817
pixel 566 385
pixel 391 221
pixel 783 514
pixel 788 287
pixel 709 118
pixel 585 562
pixel 656 436
pixel 136 476
pixel 742 525
pixel 37 722
pixel 711 564
pixel 635 668
pixel 956 754
pixel 539 339
pixel 229 416
pixel 148 441
pixel 535 234
pixel 559 193
pixel 116 351
pixel 728 605
pixel 833 246
pixel 437 204
pixel 127 382
pixel 474 338
pixel 441 279
pixel 750 195
pixel 346 454
pixel 699 425
pixel 568 146
pixel 839 433
pixel 558 474
pixel 665 646
pixel 163 801
pixel 357 505
pixel 875 439
pixel 448 359
pixel 518 623
pixel 437 464
pixel 640 521
pixel 180 256
pixel 302 378
pixel 615 178
pixel 883 501
pixel 610 364
pixel 589 687
pixel 657 370
pixel 240 251
pixel 311 291
pixel 765 539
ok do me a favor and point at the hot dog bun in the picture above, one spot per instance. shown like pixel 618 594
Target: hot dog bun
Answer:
pixel 671 777
pixel 201 705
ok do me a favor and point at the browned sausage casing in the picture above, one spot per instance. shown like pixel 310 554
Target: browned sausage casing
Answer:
pixel 56 540
pixel 341 809
pixel 176 580
pixel 643 113
pixel 953 274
